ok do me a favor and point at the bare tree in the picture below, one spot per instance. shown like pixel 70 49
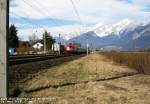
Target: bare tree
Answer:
pixel 33 38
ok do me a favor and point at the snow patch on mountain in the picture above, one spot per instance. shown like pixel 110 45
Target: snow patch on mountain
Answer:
pixel 102 30
pixel 116 29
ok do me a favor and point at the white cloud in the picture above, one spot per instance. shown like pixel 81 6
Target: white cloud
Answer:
pixel 66 31
pixel 141 2
pixel 91 12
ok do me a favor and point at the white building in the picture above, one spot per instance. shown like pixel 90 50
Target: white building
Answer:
pixel 55 47
pixel 37 45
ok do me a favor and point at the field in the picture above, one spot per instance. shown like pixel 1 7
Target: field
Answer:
pixel 94 79
pixel 92 68
pixel 136 60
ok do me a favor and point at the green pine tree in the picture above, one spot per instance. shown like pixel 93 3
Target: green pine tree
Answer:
pixel 13 40
pixel 49 40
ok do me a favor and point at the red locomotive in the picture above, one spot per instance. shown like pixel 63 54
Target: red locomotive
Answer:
pixel 74 48
pixel 71 47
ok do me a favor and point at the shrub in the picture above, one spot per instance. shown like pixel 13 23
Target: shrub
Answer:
pixel 137 60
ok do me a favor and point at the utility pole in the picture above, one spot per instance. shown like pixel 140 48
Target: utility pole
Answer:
pixel 3 47
pixel 44 43
pixel 87 45
pixel 59 45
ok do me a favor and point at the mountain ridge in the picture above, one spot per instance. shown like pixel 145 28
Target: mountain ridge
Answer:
pixel 124 35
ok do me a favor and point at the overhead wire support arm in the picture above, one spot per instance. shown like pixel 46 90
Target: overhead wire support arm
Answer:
pixel 77 14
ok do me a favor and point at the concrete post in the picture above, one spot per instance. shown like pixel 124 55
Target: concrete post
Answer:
pixel 44 43
pixel 87 46
pixel 3 48
pixel 59 45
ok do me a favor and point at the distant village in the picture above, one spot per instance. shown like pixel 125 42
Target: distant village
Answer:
pixel 46 45
pixel 33 46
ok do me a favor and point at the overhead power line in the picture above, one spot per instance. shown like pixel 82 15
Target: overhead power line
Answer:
pixel 76 11
pixel 78 16
pixel 27 20
pixel 35 7
pixel 37 25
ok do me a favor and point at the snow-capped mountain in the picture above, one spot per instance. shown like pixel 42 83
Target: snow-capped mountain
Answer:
pixel 116 29
pixel 137 39
pixel 104 30
pixel 120 36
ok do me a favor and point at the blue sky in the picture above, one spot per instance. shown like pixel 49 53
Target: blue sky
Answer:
pixel 58 16
pixel 41 22
pixel 129 1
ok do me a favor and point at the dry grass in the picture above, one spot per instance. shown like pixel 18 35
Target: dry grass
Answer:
pixel 128 90
pixel 136 60
pixel 125 90
pixel 91 68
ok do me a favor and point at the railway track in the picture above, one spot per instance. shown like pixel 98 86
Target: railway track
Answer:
pixel 20 72
pixel 21 68
pixel 22 59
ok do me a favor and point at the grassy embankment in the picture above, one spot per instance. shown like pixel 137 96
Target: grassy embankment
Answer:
pixel 95 67
pixel 136 60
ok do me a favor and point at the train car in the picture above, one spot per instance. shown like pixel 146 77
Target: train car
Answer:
pixel 58 47
pixel 62 49
pixel 80 50
pixel 74 48
pixel 70 47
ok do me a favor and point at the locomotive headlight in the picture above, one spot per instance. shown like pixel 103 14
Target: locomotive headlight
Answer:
pixel 68 49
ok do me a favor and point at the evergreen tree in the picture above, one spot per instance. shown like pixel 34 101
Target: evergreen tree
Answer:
pixel 49 40
pixel 13 40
